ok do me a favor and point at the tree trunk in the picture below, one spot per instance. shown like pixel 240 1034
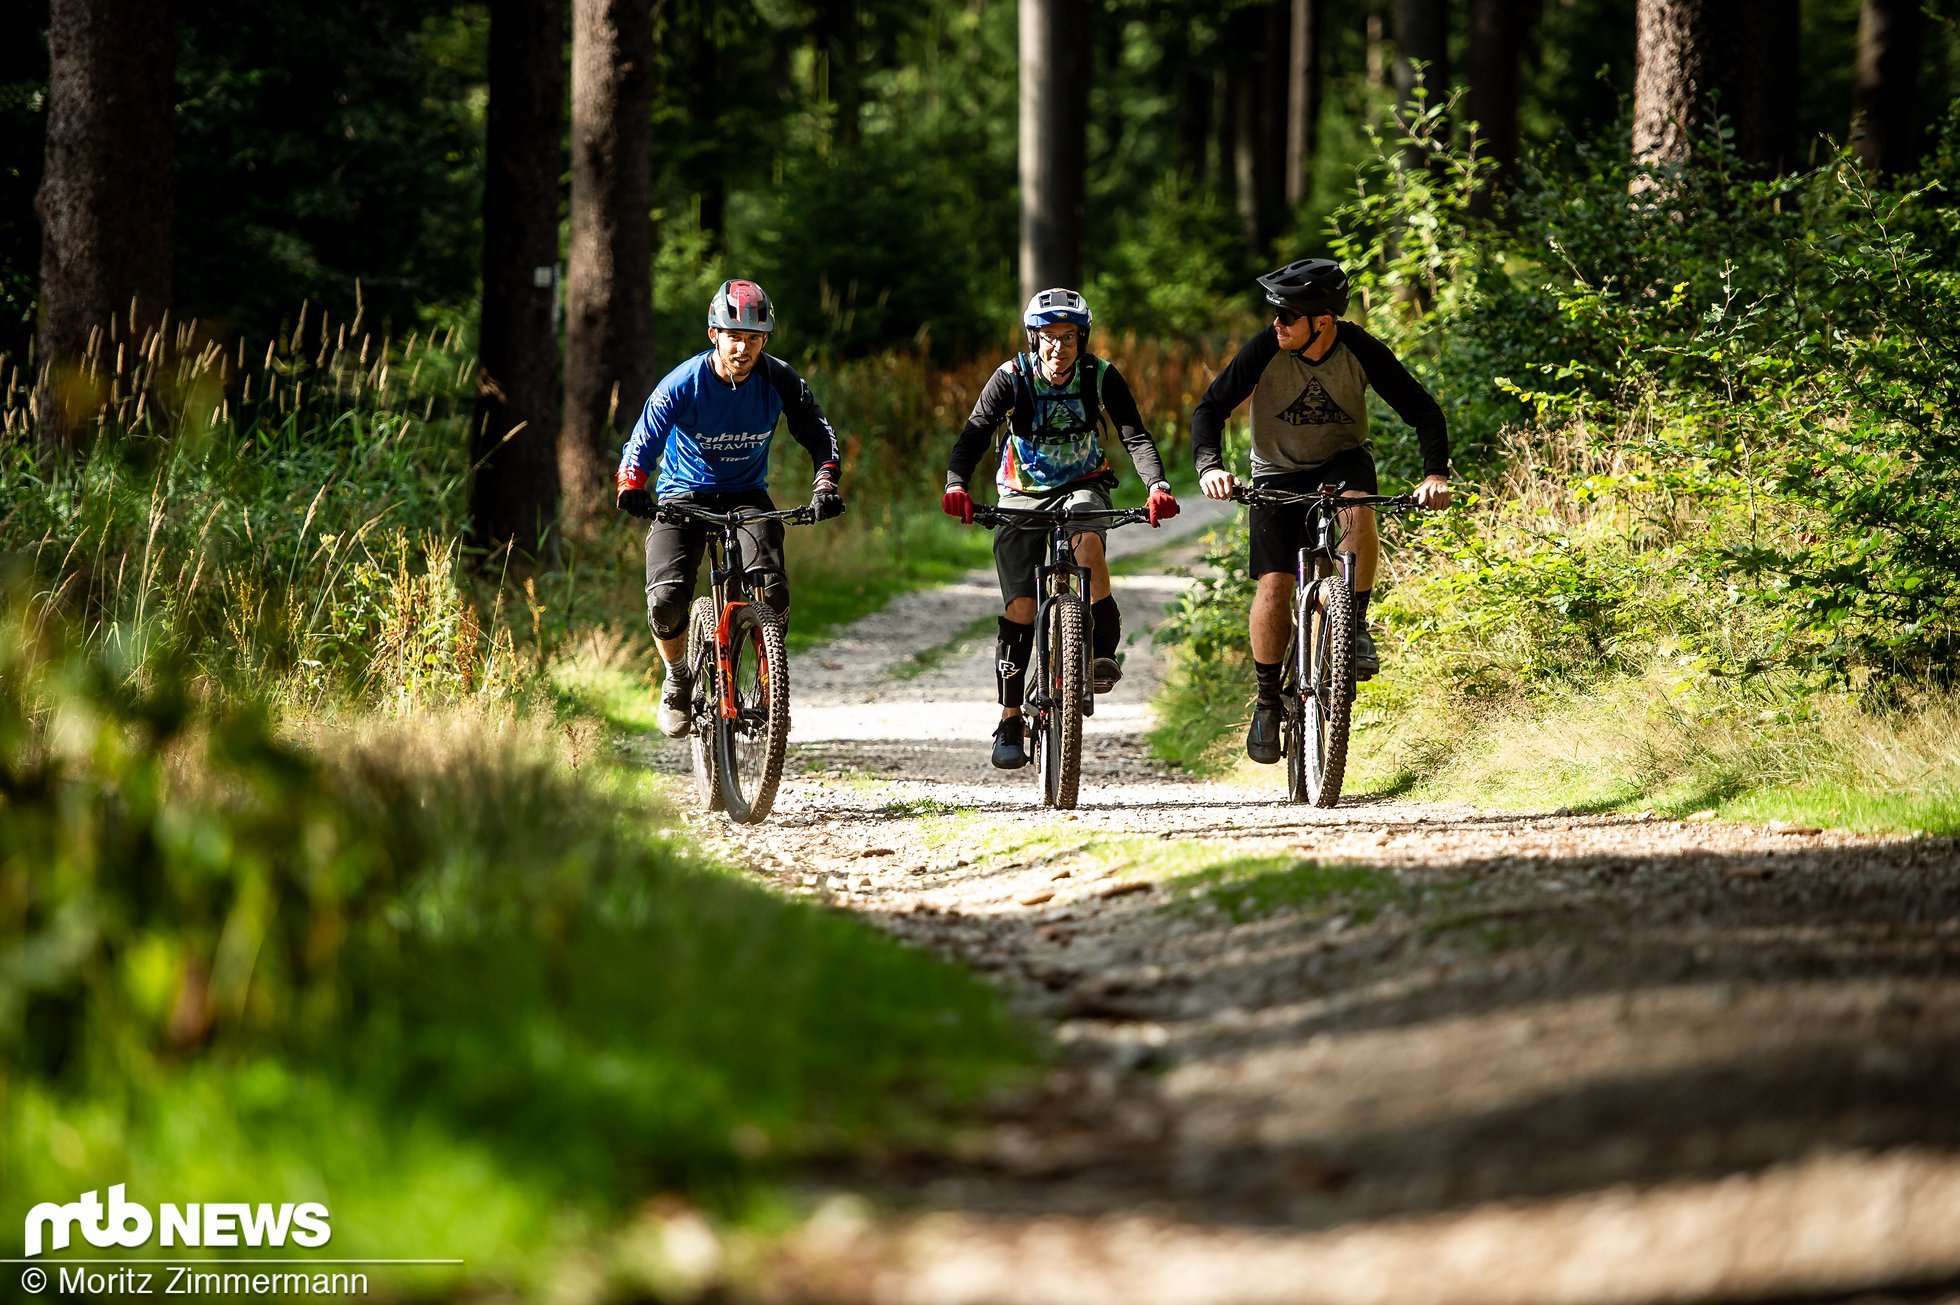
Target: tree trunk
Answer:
pixel 105 198
pixel 1758 49
pixel 1670 78
pixel 609 270
pixel 1274 129
pixel 514 494
pixel 1422 34
pixel 1693 55
pixel 1225 137
pixel 1302 97
pixel 835 35
pixel 1194 108
pixel 1497 35
pixel 1885 101
pixel 1054 108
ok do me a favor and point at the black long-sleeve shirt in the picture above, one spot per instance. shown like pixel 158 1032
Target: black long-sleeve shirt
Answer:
pixel 1306 412
pixel 996 405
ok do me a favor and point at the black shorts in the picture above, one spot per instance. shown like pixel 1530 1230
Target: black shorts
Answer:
pixel 1278 534
pixel 674 551
pixel 1019 548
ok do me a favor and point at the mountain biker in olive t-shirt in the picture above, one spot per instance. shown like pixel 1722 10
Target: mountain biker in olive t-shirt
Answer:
pixel 1307 378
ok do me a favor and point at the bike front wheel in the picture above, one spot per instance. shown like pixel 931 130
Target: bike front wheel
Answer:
pixel 1326 634
pixel 706 705
pixel 1063 638
pixel 753 742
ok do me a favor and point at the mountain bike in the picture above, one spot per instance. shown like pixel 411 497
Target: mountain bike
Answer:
pixel 1318 684
pixel 740 662
pixel 1060 677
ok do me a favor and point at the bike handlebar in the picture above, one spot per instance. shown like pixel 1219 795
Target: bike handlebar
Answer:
pixel 990 516
pixel 1326 495
pixel 680 513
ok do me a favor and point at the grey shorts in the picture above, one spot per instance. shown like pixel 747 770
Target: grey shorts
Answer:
pixel 1018 549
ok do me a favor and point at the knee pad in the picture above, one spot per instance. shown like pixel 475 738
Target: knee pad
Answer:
pixel 667 609
pixel 1012 648
pixel 774 588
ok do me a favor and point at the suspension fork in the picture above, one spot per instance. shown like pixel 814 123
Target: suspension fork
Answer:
pixel 724 561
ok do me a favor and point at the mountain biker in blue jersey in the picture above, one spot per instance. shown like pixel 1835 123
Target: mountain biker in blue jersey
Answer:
pixel 1054 398
pixel 708 425
pixel 1307 377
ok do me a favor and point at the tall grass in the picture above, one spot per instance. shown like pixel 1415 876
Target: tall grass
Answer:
pixel 453 974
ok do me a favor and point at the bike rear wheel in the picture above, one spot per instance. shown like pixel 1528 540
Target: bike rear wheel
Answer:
pixel 1059 757
pixel 705 707
pixel 754 742
pixel 1326 634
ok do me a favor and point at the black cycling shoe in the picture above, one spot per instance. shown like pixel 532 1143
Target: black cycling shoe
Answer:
pixel 1106 672
pixel 1009 754
pixel 1262 739
pixel 676 704
pixel 1367 662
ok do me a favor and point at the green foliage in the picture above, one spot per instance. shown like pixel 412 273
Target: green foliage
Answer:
pixel 434 938
pixel 292 524
pixel 318 150
pixel 1715 413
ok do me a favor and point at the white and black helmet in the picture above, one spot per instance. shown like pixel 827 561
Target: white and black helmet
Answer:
pixel 741 306
pixel 1058 305
pixel 1308 286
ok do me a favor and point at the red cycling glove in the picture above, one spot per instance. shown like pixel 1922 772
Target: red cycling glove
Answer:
pixel 958 503
pixel 1161 506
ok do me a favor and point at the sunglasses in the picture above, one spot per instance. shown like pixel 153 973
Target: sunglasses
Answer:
pixel 1286 316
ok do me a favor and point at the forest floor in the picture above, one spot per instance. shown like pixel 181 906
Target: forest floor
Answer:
pixel 1392 1052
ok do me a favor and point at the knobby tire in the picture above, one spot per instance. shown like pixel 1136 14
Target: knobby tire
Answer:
pixel 1063 640
pixel 704 741
pixel 1327 634
pixel 752 755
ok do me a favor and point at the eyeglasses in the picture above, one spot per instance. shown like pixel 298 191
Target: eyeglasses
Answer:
pixel 1286 316
pixel 1055 341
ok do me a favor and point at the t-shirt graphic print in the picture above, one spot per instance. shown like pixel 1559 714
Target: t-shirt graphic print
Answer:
pixel 1315 407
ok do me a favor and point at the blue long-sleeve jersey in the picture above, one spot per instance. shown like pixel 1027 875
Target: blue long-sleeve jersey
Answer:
pixel 708 435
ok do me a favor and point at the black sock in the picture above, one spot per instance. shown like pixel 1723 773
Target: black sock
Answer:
pixel 1361 597
pixel 1109 625
pixel 1011 650
pixel 1268 673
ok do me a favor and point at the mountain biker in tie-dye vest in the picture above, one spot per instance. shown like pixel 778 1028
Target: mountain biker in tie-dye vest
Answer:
pixel 1055 400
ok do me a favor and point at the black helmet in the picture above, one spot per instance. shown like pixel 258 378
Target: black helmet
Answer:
pixel 1311 285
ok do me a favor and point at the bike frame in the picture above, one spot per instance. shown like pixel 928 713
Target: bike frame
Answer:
pixel 725 574
pixel 1324 558
pixel 1052 580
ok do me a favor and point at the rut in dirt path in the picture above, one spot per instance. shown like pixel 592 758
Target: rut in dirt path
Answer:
pixel 1397 1051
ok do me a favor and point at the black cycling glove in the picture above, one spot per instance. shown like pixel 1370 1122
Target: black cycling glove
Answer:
pixel 638 503
pixel 825 501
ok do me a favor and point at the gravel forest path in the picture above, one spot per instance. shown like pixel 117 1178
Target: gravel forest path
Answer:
pixel 1393 1052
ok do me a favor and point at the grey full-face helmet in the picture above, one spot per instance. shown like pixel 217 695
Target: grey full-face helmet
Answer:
pixel 741 306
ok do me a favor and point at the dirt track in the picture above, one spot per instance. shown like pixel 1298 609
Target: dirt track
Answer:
pixel 1402 1052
